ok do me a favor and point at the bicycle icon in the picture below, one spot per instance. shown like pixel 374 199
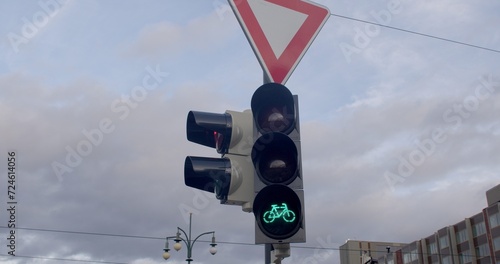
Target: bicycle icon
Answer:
pixel 279 212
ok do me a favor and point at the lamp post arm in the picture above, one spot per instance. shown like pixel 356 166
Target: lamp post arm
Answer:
pixel 206 233
pixel 166 242
pixel 192 243
pixel 186 240
pixel 170 237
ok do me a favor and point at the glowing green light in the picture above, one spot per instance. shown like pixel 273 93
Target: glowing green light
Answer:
pixel 278 212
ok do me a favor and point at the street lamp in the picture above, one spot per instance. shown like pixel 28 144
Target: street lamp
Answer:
pixel 187 240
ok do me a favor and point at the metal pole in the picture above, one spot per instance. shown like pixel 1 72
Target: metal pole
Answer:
pixel 267 247
pixel 189 239
pixel 267 253
pixel 190 217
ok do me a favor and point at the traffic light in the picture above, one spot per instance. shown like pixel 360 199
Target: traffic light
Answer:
pixel 231 176
pixel 276 155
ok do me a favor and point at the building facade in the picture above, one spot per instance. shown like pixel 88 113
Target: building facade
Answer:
pixel 359 252
pixel 475 240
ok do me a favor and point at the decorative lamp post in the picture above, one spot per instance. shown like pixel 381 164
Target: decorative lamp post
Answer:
pixel 187 240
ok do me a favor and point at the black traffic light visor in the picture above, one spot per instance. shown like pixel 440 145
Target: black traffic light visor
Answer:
pixel 208 174
pixel 273 108
pixel 210 129
pixel 275 158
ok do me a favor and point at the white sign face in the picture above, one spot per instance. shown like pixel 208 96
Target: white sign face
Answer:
pixel 279 31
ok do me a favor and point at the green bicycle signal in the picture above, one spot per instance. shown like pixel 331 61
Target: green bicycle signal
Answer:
pixel 279 212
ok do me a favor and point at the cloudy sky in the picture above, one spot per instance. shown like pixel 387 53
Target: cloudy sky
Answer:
pixel 400 132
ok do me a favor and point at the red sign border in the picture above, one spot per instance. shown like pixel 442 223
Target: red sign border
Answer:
pixel 279 69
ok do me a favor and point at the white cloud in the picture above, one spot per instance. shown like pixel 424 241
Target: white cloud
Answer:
pixel 198 35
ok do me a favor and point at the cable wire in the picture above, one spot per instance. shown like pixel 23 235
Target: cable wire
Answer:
pixel 158 238
pixel 417 33
pixel 64 259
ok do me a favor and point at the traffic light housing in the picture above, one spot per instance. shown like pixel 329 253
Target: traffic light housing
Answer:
pixel 278 206
pixel 231 176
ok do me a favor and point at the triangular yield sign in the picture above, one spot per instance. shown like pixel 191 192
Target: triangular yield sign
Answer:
pixel 279 31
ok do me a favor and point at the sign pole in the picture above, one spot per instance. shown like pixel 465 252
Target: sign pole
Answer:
pixel 267 253
pixel 267 247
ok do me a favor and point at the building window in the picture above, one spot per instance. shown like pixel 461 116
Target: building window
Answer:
pixel 465 257
pixel 482 251
pixel 479 229
pixel 462 236
pixel 406 257
pixel 443 242
pixel 446 260
pixel 432 248
pixel 414 254
pixel 494 220
pixel 496 243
